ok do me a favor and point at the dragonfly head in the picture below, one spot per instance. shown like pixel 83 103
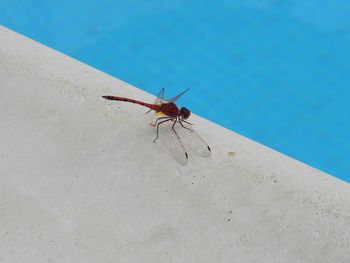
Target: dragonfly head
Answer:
pixel 184 113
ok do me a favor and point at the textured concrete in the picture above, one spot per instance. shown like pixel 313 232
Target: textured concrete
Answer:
pixel 81 180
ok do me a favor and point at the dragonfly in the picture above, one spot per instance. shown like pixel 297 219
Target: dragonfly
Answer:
pixel 178 133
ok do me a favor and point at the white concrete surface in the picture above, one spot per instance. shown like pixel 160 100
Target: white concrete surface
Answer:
pixel 81 180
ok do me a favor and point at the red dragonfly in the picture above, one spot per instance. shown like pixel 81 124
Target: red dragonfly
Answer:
pixel 179 131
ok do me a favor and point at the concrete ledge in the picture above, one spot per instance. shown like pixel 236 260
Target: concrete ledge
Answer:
pixel 81 180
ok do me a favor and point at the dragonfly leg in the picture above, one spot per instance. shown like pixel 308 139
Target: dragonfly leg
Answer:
pixel 172 127
pixel 168 119
pixel 161 118
pixel 185 122
pixel 184 125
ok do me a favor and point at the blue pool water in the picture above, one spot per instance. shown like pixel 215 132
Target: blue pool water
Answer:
pixel 275 71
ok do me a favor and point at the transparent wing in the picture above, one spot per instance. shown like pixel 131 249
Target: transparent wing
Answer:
pixel 192 140
pixel 159 99
pixel 177 97
pixel 174 145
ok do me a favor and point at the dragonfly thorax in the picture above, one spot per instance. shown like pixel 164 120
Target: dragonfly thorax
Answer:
pixel 169 109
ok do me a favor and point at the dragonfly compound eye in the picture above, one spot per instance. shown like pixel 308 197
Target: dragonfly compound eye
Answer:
pixel 184 113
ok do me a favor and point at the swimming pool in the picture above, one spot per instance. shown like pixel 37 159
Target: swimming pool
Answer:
pixel 277 72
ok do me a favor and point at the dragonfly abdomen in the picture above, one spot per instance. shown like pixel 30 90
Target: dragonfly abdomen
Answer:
pixel 148 105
